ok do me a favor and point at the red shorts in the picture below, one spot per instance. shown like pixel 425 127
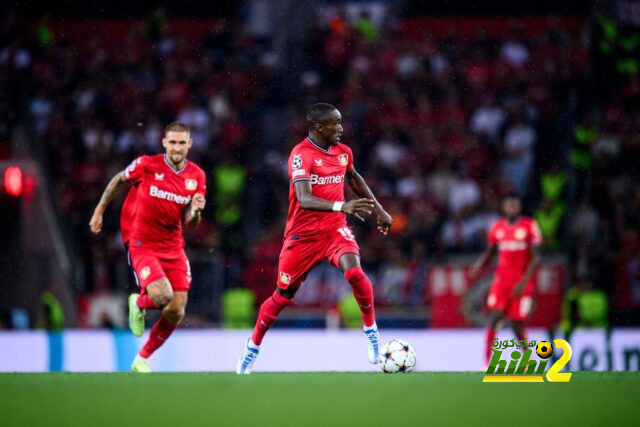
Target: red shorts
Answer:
pixel 501 298
pixel 149 266
pixel 300 254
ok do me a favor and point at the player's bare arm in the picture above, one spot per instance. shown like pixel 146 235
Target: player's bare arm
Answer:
pixel 360 187
pixel 194 213
pixel 113 188
pixel 528 272
pixel 485 258
pixel 307 200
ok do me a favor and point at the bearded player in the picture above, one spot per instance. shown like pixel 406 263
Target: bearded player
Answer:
pixel 516 239
pixel 316 228
pixel 166 186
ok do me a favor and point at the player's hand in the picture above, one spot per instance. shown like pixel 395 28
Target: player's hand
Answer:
pixel 95 224
pixel 356 207
pixel 198 202
pixel 384 221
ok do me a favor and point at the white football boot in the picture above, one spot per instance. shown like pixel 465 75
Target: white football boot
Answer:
pixel 247 358
pixel 373 346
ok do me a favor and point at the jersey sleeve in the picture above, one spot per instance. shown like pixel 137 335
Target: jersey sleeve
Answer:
pixel 134 173
pixel 535 236
pixel 299 166
pixel 350 159
pixel 202 183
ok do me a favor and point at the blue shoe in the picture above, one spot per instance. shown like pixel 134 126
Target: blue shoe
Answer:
pixel 372 343
pixel 247 358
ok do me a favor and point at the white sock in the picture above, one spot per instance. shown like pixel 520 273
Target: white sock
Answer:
pixel 253 345
pixel 374 326
pixel 138 357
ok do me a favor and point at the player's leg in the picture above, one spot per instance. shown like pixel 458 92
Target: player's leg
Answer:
pixel 518 329
pixel 171 317
pixel 495 319
pixel 155 293
pixel 136 315
pixel 344 253
pixel 169 292
pixel 349 264
pixel 159 291
pixel 296 259
pixel 518 313
pixel 269 311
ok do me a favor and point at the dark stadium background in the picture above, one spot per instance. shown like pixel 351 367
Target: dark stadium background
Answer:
pixel 87 85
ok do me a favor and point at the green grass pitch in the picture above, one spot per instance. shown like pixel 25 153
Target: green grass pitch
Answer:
pixel 313 399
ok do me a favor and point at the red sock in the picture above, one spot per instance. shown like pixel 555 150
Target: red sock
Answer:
pixel 269 311
pixel 159 334
pixel 143 302
pixel 491 334
pixel 363 291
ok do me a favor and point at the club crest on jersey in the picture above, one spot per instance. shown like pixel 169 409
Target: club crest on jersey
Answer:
pixel 296 163
pixel 520 233
pixel 159 176
pixel 344 159
pixel 190 184
pixel 145 273
pixel 285 278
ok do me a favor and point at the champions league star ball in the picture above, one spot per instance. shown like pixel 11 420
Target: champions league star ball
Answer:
pixel 544 350
pixel 397 356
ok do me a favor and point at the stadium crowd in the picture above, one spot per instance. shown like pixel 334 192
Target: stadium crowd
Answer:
pixel 441 127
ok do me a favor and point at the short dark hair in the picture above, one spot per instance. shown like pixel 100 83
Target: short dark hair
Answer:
pixel 177 127
pixel 510 195
pixel 317 113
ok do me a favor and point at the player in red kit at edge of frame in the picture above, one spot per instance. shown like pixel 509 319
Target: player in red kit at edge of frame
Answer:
pixel 166 185
pixel 516 239
pixel 316 228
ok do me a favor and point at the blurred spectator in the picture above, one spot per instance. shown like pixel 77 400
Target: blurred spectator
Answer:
pixel 553 183
pixel 199 121
pixel 366 27
pixel 519 147
pixel 549 217
pixel 584 222
pixel 584 307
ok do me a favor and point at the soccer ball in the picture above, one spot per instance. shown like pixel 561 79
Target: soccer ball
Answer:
pixel 544 349
pixel 397 356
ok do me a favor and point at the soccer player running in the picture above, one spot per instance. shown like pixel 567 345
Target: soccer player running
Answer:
pixel 166 185
pixel 316 228
pixel 516 239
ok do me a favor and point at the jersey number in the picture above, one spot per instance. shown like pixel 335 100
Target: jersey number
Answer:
pixel 347 234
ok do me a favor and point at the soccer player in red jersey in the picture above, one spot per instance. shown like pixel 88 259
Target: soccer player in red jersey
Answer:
pixel 166 185
pixel 316 228
pixel 516 239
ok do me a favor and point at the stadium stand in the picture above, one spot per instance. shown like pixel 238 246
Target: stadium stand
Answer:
pixel 442 124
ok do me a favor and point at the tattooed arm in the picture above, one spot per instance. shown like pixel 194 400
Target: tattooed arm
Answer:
pixel 114 186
